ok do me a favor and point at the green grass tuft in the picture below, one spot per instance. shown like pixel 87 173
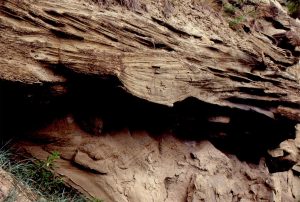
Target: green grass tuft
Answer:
pixel 236 21
pixel 293 6
pixel 229 8
pixel 38 176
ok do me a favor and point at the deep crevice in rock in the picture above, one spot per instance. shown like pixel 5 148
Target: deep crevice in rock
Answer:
pixel 246 134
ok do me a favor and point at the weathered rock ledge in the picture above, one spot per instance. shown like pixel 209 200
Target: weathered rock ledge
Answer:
pixel 152 104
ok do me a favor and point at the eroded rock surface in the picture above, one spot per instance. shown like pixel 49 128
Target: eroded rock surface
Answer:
pixel 224 97
pixel 137 166
pixel 193 53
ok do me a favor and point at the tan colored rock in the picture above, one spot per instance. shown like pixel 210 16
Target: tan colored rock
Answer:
pixel 161 58
pixel 276 152
pixel 286 186
pixel 297 139
pixel 296 168
pixel 290 148
pixel 132 166
pixel 193 53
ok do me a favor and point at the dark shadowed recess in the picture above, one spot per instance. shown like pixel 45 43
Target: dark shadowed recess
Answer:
pixel 246 134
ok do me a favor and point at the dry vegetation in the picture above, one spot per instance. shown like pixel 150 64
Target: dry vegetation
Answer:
pixel 235 11
pixel 130 4
pixel 38 178
pixel 294 7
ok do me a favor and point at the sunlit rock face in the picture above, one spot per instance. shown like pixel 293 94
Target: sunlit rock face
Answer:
pixel 155 101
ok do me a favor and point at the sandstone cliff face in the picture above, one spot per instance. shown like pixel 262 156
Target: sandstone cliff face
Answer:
pixel 156 101
pixel 194 53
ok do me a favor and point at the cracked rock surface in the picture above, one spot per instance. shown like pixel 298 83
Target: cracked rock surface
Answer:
pixel 136 166
pixel 156 100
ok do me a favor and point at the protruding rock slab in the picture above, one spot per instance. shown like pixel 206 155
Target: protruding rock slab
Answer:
pixel 194 53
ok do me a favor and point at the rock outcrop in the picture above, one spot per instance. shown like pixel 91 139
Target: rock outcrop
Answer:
pixel 137 166
pixel 156 101
pixel 194 53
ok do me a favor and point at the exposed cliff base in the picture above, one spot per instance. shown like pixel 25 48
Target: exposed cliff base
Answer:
pixel 117 147
pixel 168 101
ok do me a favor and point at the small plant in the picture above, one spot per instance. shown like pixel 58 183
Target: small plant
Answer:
pixel 229 8
pixel 37 176
pixel 236 21
pixel 293 6
pixel 130 4
pixel 48 164
pixel 43 175
pixel 96 200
